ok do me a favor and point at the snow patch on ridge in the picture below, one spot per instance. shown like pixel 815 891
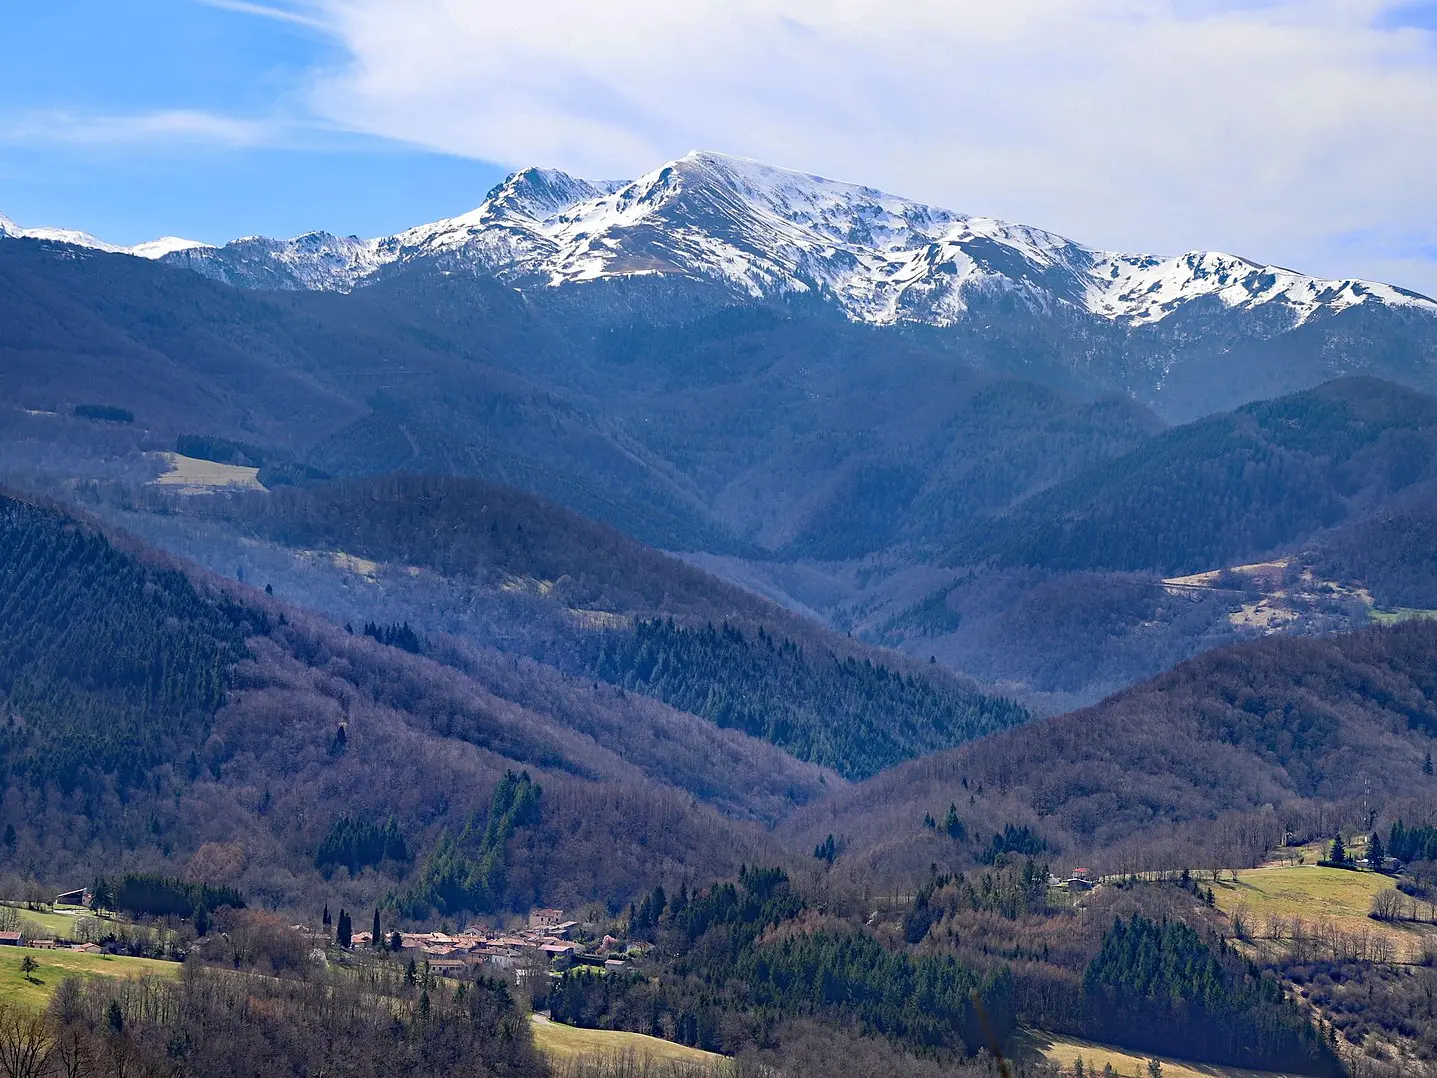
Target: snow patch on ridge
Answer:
pixel 149 249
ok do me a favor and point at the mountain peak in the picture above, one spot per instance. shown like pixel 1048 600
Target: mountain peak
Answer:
pixel 540 193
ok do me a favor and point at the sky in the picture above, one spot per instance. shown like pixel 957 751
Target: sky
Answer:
pixel 1295 132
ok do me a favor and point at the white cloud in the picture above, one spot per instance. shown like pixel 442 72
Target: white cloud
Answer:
pixel 61 127
pixel 1280 129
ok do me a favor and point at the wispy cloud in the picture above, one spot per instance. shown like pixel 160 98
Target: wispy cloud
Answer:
pixel 61 127
pixel 269 11
pixel 1270 128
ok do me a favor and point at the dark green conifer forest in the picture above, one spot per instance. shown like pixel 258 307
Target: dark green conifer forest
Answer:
pixel 855 717
pixel 107 664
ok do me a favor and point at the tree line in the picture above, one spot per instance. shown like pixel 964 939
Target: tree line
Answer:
pixel 736 962
pixel 357 844
pixel 1160 986
pixel 466 874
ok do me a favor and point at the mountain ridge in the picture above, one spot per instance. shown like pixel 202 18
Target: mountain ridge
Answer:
pixel 765 232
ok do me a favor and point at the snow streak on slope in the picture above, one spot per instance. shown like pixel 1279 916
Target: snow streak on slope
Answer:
pixel 764 232
pixel 149 249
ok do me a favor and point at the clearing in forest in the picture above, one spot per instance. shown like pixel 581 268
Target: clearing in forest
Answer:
pixel 560 1042
pixel 1065 1050
pixel 194 476
pixel 59 921
pixel 1271 900
pixel 55 966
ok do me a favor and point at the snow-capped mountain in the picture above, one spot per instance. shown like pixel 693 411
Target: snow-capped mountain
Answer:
pixel 761 232
pixel 152 249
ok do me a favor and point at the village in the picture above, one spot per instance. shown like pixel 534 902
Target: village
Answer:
pixel 548 936
pixel 547 943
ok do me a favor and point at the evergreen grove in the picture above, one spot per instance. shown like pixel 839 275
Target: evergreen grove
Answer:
pixel 855 717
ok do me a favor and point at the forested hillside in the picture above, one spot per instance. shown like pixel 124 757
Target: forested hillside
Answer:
pixel 1176 770
pixel 490 533
pixel 1225 489
pixel 1390 553
pixel 510 570
pixel 108 666
pixel 855 717
pixel 153 723
pixel 732 431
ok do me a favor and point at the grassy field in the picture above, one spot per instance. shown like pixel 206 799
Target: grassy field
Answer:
pixel 194 476
pixel 60 922
pixel 1064 1050
pixel 1317 894
pixel 55 966
pixel 560 1043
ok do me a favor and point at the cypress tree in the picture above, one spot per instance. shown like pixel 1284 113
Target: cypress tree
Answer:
pixel 376 939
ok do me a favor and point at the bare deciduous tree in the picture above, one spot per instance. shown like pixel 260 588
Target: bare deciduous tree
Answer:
pixel 27 1043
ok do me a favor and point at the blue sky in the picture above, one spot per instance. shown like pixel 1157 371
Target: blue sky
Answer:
pixel 80 73
pixel 1292 132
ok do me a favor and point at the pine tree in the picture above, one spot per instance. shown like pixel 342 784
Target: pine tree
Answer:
pixel 1338 854
pixel 1376 855
pixel 953 826
pixel 10 837
pixel 1427 764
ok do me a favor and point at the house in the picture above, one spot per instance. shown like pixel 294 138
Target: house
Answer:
pixel 43 945
pixel 78 897
pixel 545 918
pixel 1079 883
pixel 94 948
pixel 560 955
pixel 562 929
pixel 448 965
pixel 9 939
pixel 499 958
